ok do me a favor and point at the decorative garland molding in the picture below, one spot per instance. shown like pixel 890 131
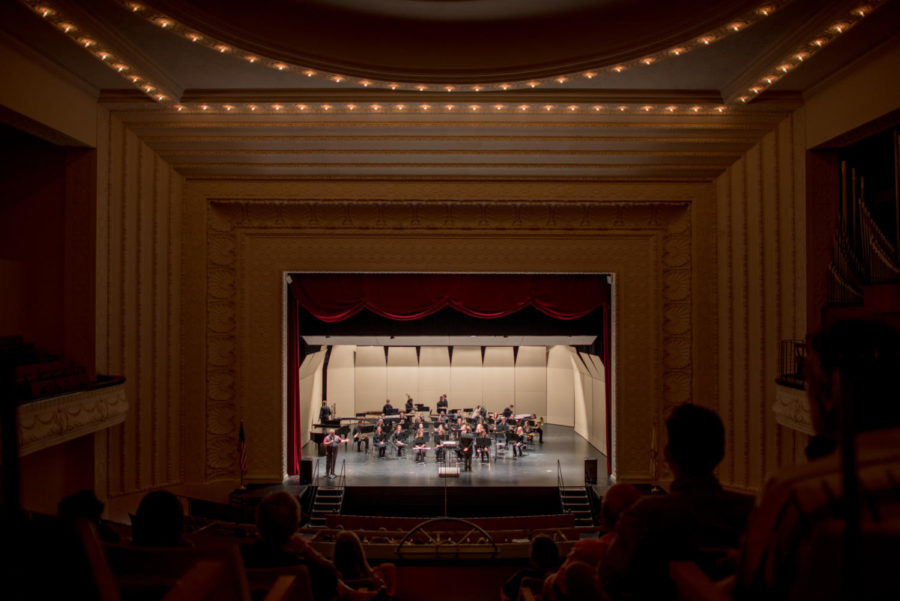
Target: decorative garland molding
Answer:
pixel 791 409
pixel 661 228
pixel 49 422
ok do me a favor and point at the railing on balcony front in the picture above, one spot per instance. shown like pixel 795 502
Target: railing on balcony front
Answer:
pixel 791 363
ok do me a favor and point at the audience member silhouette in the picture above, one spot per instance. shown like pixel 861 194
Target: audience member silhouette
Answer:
pixel 696 514
pixel 617 499
pixel 84 504
pixel 544 558
pixel 853 383
pixel 280 545
pixel 350 561
pixel 159 521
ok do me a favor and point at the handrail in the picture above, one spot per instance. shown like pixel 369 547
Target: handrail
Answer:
pixel 451 540
pixel 343 479
pixel 559 477
pixel 315 478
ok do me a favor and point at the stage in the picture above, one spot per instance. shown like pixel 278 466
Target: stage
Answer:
pixel 538 468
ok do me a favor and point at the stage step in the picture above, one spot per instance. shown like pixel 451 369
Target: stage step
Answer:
pixel 327 501
pixel 575 500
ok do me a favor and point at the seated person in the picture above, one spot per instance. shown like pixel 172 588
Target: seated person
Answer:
pixel 350 561
pixel 439 437
pixel 501 426
pixel 85 505
pixel 539 428
pixel 543 557
pixel 617 499
pixel 399 439
pixel 442 404
pixel 483 445
pixel 380 440
pixel 159 521
pixel 852 370
pixel 697 513
pixel 518 442
pixel 280 545
pixel 419 445
pixel 360 437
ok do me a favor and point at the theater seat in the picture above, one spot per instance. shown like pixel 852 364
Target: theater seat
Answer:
pixel 824 575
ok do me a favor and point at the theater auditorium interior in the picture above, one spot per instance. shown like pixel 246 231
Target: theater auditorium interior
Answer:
pixel 221 217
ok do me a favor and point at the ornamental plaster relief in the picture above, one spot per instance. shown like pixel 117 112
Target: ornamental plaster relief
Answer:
pixel 49 422
pixel 644 241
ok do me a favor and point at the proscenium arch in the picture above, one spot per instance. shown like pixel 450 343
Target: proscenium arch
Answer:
pixel 255 232
pixel 584 310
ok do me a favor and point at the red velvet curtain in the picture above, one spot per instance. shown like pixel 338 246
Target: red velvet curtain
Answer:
pixel 407 297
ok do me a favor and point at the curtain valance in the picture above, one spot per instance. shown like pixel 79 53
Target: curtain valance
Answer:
pixel 406 297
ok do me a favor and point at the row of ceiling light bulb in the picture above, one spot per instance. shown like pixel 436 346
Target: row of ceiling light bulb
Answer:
pixel 450 108
pixel 45 10
pixel 804 52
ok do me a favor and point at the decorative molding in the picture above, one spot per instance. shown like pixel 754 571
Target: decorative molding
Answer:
pixel 49 422
pixel 791 409
pixel 231 223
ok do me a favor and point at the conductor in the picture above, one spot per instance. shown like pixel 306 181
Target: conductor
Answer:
pixel 331 443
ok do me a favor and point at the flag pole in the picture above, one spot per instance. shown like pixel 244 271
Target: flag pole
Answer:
pixel 242 454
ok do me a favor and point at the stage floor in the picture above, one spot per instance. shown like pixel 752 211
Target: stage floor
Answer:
pixel 537 468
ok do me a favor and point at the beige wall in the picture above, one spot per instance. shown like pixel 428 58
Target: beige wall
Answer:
pixel 531 380
pixel 310 393
pixel 341 380
pixel 402 374
pixel 371 379
pixel 434 376
pixel 499 377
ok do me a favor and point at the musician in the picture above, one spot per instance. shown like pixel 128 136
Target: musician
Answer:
pixel 466 442
pixel 331 442
pixel 517 441
pixel 457 428
pixel 419 445
pixel 442 404
pixel 419 422
pixel 380 440
pixel 482 445
pixel 409 404
pixel 388 409
pixel 508 412
pixel 502 426
pixel 539 428
pixel 360 437
pixel 324 412
pixel 399 440
pixel 439 437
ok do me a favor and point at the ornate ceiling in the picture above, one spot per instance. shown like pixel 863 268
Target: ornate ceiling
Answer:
pixel 608 89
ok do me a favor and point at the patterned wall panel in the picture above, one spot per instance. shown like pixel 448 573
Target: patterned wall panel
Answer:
pixel 762 300
pixel 138 311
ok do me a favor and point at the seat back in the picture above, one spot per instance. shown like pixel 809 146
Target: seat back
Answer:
pixel 823 576
pixel 142 573
pixel 264 580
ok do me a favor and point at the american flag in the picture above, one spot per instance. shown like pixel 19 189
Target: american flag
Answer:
pixel 242 449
